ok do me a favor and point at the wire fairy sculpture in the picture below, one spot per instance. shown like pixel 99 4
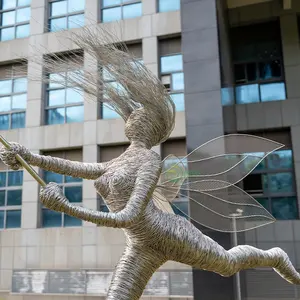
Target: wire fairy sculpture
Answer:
pixel 139 188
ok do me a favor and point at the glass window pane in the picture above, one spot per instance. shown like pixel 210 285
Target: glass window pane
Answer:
pixel 227 96
pixel 111 2
pixel 58 8
pixel 55 116
pixel 280 159
pixel 71 221
pixel 2 179
pixel 58 24
pixel 76 21
pixel 55 78
pixel 18 120
pixel 7 34
pixel 5 87
pixel 5 103
pixel 2 198
pixel 13 219
pixel 284 208
pixel 177 81
pixel 111 14
pixel 108 113
pixel 73 96
pixel 51 218
pixel 247 94
pixel 24 2
pixel 239 73
pixel 268 70
pixel 76 5
pixel 181 208
pixel 171 63
pixel 19 101
pixel 6 4
pixel 52 177
pixel 132 11
pixel 281 182
pixel 15 178
pixel 74 194
pixel 104 208
pixel 4 122
pixel 75 114
pixel 169 5
pixel 14 197
pixel 56 97
pixel 23 14
pixel 20 85
pixel 23 31
pixel 178 100
pixel 272 91
pixel 72 179
pixel 1 219
pixel 8 18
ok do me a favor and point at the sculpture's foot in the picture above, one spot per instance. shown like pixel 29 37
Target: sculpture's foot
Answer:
pixel 133 272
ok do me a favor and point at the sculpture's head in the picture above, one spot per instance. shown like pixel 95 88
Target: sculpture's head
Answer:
pixel 150 126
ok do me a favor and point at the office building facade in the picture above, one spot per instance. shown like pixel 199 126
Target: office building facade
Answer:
pixel 230 67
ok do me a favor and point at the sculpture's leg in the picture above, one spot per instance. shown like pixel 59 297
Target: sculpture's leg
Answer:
pixel 208 255
pixel 133 272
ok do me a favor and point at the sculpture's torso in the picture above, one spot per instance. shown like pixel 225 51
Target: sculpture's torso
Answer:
pixel 153 229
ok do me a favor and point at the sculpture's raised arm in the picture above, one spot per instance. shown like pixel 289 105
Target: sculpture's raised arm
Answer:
pixel 49 163
pixel 53 198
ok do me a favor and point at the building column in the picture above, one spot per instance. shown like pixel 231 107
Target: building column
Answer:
pixel 150 54
pixel 30 200
pixel 204 114
pixel 291 53
pixel 149 7
pixel 92 12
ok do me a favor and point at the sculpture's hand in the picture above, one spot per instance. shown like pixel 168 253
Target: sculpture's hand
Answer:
pixel 8 156
pixel 53 198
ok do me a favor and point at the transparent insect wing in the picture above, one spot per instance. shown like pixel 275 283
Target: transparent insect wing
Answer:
pixel 214 170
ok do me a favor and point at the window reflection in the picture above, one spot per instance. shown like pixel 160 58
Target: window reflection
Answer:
pixel 168 5
pixel 66 14
pixel 272 184
pixel 10 198
pixel 15 19
pixel 72 189
pixel 117 10
pixel 13 102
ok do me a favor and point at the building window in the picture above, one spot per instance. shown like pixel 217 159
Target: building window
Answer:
pixel 10 198
pixel 106 112
pixel 72 189
pixel 272 184
pixel 66 14
pixel 120 9
pixel 15 17
pixel 64 104
pixel 257 65
pixel 171 70
pixel 13 99
pixel 177 148
pixel 168 5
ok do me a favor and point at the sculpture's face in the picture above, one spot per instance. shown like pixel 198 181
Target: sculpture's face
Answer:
pixel 141 127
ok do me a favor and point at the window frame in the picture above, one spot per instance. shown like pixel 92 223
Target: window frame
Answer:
pixel 63 185
pixel 16 24
pixel 121 5
pixel 67 15
pixel 268 195
pixel 11 95
pixel 162 74
pixel 65 105
pixel 6 207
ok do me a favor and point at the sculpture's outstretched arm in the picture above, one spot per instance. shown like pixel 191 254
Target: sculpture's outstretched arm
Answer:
pixel 53 198
pixel 49 163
